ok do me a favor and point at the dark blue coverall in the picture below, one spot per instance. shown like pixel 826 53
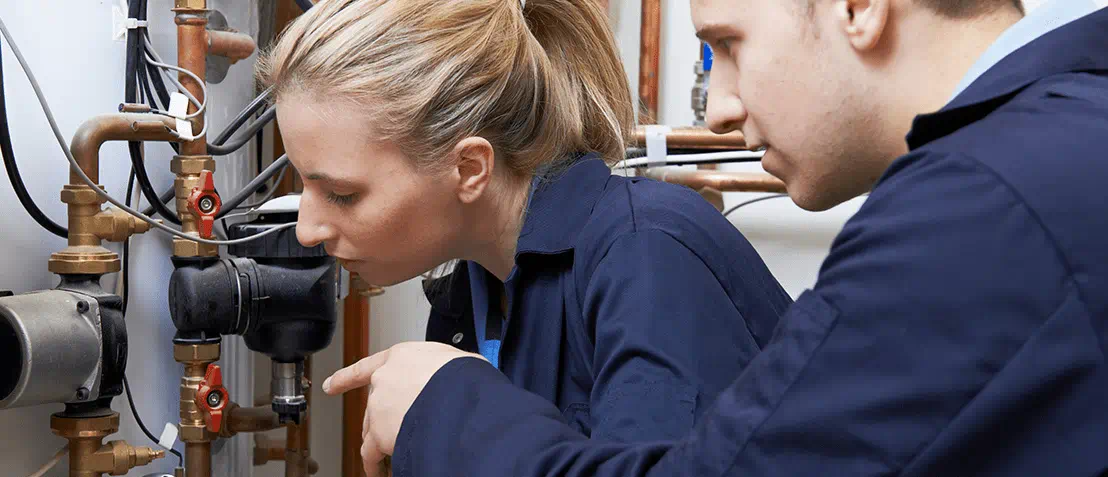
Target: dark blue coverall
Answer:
pixel 957 328
pixel 626 297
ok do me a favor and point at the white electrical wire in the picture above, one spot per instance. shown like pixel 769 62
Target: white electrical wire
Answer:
pixel 686 159
pixel 52 463
pixel 76 168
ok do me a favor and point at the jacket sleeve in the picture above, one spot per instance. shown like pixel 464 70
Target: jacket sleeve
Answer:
pixel 943 314
pixel 661 323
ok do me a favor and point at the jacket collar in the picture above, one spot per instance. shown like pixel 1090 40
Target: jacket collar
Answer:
pixel 1080 46
pixel 561 206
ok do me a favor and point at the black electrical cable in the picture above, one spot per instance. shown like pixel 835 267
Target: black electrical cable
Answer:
pixel 304 4
pixel 134 412
pixel 253 107
pixel 126 270
pixel 13 170
pixel 220 149
pixel 135 59
pixel 253 186
pixel 753 201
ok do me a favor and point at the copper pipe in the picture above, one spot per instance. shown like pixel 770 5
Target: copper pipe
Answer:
pixel 192 54
pixel 249 419
pixel 720 181
pixel 265 450
pixel 297 450
pixel 649 49
pixel 198 459
pixel 114 127
pixel 694 138
pixel 355 346
pixel 231 45
pixel 193 425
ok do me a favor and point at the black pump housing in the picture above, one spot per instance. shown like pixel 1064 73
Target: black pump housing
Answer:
pixel 280 296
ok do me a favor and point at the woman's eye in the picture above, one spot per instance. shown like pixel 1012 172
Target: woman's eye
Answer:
pixel 340 200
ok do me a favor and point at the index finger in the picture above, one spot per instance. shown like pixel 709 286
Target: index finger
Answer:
pixel 355 375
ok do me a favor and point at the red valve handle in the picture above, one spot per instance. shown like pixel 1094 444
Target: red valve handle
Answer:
pixel 212 397
pixel 204 203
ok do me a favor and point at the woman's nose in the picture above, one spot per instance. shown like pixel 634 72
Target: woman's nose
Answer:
pixel 312 226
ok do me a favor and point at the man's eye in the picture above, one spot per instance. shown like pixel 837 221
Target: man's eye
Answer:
pixel 340 200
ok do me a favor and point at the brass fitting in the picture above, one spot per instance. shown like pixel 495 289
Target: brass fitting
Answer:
pixel 115 225
pixel 361 287
pixel 88 457
pixel 196 358
pixel 190 5
pixel 188 169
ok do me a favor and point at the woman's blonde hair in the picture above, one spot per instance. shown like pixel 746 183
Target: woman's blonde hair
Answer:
pixel 541 81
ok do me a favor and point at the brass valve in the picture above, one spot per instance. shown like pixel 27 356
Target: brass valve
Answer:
pixel 115 225
pixel 117 457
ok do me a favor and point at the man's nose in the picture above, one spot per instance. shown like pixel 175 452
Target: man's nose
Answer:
pixel 726 112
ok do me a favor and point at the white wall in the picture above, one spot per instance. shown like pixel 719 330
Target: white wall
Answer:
pixel 81 68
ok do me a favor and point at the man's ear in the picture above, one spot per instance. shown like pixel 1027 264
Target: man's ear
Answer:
pixel 474 166
pixel 863 21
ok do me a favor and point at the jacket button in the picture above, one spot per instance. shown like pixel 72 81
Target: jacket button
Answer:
pixel 457 338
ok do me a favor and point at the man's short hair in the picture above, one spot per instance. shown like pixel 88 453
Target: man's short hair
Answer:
pixel 969 8
pixel 959 8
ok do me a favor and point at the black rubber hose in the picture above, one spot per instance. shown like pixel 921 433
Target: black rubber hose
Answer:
pixel 253 186
pixel 13 170
pixel 220 149
pixel 139 166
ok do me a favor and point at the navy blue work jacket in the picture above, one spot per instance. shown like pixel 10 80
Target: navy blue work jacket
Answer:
pixel 958 327
pixel 626 296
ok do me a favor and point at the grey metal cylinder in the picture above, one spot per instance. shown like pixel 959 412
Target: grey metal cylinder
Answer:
pixel 50 348
pixel 288 391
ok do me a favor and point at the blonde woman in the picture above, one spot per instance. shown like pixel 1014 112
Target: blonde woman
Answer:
pixel 483 130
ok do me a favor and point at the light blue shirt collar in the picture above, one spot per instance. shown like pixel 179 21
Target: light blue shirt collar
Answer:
pixel 1039 22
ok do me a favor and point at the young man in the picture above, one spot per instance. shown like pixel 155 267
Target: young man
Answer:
pixel 960 323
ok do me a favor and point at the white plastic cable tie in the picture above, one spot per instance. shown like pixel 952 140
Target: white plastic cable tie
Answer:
pixel 169 436
pixel 122 23
pixel 656 145
pixel 178 108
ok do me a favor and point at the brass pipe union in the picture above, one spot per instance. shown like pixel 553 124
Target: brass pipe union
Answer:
pixel 88 457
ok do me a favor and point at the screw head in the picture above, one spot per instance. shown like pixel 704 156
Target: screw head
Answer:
pixel 82 393
pixel 215 398
pixel 206 204
pixel 82 306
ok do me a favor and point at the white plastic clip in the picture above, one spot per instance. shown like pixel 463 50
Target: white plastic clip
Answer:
pixel 656 145
pixel 169 436
pixel 122 23
pixel 178 108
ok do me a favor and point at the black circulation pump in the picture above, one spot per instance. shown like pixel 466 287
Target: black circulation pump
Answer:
pixel 277 294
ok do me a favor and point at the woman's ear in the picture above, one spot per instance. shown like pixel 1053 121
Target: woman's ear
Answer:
pixel 474 167
pixel 862 21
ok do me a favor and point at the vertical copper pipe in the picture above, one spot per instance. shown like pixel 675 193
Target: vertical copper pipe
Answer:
pixel 198 459
pixel 650 46
pixel 192 53
pixel 355 346
pixel 296 439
